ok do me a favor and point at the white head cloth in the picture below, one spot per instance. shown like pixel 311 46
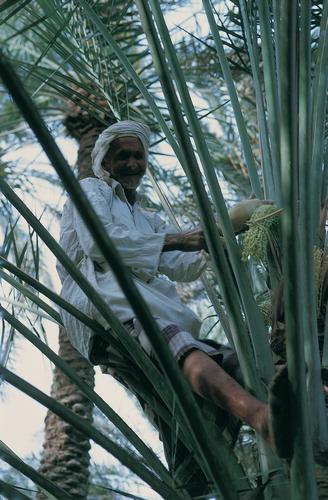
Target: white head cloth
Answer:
pixel 125 128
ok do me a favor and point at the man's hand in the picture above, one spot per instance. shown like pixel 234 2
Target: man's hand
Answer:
pixel 185 241
pixel 243 211
pixel 193 239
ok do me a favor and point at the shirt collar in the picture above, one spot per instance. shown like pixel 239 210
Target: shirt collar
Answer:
pixel 141 199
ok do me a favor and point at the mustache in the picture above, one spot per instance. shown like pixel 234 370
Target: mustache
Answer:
pixel 131 172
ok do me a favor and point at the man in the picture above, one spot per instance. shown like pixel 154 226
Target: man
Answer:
pixel 148 247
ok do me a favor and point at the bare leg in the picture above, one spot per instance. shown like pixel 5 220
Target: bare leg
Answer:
pixel 211 382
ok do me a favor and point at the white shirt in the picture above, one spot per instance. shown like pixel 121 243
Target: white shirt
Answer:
pixel 139 237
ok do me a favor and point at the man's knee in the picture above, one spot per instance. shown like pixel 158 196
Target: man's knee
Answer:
pixel 194 366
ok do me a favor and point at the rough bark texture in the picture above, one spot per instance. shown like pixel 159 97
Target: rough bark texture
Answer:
pixel 86 128
pixel 66 451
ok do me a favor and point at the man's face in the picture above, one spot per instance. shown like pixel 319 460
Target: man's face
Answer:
pixel 125 161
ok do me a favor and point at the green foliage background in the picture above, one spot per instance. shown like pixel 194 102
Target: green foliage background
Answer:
pixel 258 125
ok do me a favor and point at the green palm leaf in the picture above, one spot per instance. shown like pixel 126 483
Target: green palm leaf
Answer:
pixel 288 69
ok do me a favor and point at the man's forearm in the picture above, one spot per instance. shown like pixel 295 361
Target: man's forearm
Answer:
pixel 172 242
pixel 191 240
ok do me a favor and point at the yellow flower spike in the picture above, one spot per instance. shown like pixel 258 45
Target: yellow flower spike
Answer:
pixel 263 226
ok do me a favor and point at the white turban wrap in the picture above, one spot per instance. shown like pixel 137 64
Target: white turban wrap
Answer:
pixel 125 128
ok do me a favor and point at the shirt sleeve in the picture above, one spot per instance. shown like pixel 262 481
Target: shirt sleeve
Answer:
pixel 176 265
pixel 139 250
pixel 182 266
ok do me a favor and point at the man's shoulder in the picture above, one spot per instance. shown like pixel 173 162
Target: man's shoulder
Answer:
pixel 93 181
pixel 94 184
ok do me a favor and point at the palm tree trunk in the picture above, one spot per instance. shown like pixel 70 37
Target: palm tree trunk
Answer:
pixel 66 450
pixel 86 128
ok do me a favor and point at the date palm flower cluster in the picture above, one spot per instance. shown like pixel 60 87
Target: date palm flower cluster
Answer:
pixel 262 234
pixel 266 309
pixel 321 275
